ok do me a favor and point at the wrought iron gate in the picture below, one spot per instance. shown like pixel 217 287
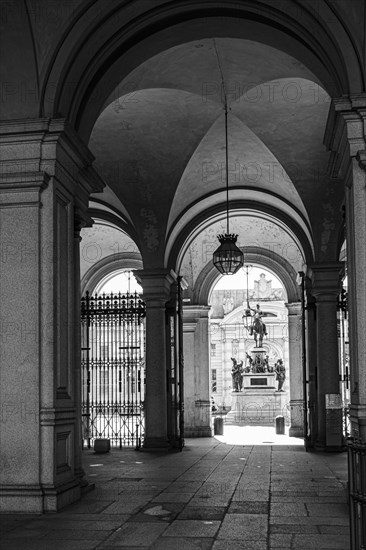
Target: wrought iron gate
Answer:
pixel 113 368
pixel 343 348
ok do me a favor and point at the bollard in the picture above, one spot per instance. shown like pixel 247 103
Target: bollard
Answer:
pixel 102 446
pixel 218 426
pixel 280 425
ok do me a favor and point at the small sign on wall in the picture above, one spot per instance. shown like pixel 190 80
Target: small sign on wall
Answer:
pixel 333 401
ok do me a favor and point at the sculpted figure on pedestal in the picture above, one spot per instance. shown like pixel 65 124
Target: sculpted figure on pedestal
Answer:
pixel 237 374
pixel 257 327
pixel 280 371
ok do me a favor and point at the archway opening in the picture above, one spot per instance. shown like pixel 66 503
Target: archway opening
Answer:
pixel 250 382
pixel 112 338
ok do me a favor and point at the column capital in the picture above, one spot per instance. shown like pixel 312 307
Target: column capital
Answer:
pixel 81 220
pixel 195 312
pixel 22 188
pixel 50 146
pixel 156 284
pixel 326 279
pixel 294 308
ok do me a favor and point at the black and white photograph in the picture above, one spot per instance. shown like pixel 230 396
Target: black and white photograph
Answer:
pixel 182 274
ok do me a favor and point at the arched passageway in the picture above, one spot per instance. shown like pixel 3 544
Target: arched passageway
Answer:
pixel 122 113
pixel 246 384
pixel 202 313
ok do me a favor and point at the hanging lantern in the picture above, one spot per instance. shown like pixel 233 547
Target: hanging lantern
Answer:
pixel 228 258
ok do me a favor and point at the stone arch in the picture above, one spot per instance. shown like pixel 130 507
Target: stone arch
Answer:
pixel 299 227
pixel 107 266
pixel 281 267
pixel 105 214
pixel 103 48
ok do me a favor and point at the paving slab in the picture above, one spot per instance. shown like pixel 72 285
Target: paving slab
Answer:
pixel 333 529
pixel 155 513
pixel 135 534
pixel 44 544
pixel 281 541
pixel 306 520
pixel 250 507
pixel 212 495
pixel 204 513
pixel 193 528
pixel 245 527
pixel 332 509
pixel 51 522
pixel 182 543
pixel 293 528
pixel 331 542
pixel 173 497
pixel 210 500
pixel 183 487
pixel 76 534
pixel 239 545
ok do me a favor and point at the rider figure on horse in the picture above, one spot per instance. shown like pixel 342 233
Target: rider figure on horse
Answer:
pixel 257 320
pixel 257 327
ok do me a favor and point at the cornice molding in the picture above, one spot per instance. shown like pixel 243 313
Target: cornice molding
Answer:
pixel 345 134
pixel 361 158
pixel 50 146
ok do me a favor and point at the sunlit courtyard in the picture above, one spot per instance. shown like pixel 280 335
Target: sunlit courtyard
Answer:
pixel 256 435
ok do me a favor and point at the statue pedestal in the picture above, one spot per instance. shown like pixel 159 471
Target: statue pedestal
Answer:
pixel 259 403
pixel 259 380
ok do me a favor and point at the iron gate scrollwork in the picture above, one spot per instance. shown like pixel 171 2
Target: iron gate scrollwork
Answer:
pixel 113 368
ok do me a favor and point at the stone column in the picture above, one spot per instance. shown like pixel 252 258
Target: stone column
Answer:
pixel 197 384
pixel 311 366
pixel 80 220
pixel 295 370
pixel 156 285
pixel 356 262
pixel 346 138
pixel 42 178
pixel 326 287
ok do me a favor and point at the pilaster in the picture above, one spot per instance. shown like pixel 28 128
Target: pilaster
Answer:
pixel 311 364
pixel 326 279
pixel 295 370
pixel 156 286
pixel 346 138
pixel 197 371
pixel 42 184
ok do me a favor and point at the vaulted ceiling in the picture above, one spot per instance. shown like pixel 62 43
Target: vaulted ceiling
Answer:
pixel 159 142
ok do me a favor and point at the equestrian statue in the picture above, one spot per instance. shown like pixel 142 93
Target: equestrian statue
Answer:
pixel 257 327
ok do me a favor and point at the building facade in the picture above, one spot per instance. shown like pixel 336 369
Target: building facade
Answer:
pixel 231 338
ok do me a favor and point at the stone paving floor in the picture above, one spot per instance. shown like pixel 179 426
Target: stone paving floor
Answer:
pixel 215 494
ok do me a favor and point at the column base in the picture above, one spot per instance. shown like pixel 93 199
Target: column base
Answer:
pixel 156 444
pixel 296 431
pixel 198 431
pixel 358 421
pixel 323 448
pixel 34 499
